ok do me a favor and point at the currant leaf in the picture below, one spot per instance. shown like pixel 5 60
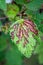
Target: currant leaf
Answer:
pixel 21 33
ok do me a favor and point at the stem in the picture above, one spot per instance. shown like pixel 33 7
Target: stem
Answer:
pixel 2 18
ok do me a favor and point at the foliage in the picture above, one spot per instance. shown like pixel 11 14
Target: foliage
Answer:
pixel 12 11
pixel 25 48
pixel 13 56
pixel 39 50
pixel 15 13
pixel 3 5
pixel 34 5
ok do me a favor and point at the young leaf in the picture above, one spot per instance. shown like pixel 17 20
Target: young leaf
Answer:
pixel 12 11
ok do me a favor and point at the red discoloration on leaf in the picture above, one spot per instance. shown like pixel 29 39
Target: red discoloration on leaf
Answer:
pixel 31 26
pixel 23 30
pixel 30 22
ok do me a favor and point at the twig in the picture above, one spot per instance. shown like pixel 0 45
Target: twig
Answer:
pixel 2 18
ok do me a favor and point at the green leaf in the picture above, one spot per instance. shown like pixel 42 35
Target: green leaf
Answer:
pixel 40 57
pixel 2 55
pixel 2 5
pixel 20 1
pixel 13 56
pixel 0 24
pixel 34 5
pixel 28 49
pixel 39 50
pixel 12 11
pixel 37 19
pixel 29 12
pixel 3 42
